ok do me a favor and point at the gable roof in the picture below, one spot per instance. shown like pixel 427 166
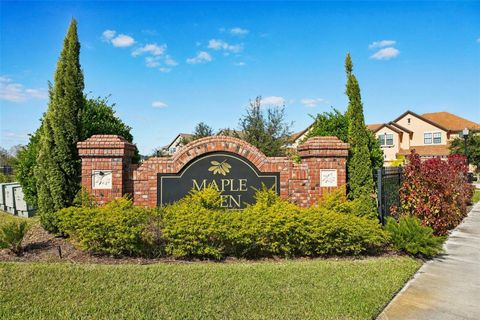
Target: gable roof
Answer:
pixel 376 127
pixel 450 121
pixel 400 127
pixel 422 118
pixel 294 137
pixel 181 135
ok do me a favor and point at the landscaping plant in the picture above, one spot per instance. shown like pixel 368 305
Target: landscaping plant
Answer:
pixel 115 228
pixel 436 191
pixel 337 201
pixel 335 123
pixel 58 165
pixel 408 235
pixel 48 167
pixel 12 234
pixel 359 166
pixel 197 227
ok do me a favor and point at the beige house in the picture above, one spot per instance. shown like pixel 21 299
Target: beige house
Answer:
pixel 429 134
pixel 177 144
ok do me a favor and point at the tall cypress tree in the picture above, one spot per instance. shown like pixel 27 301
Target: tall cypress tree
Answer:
pixel 58 164
pixel 360 181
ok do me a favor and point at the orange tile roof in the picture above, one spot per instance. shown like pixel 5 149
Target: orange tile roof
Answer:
pixel 375 126
pixel 451 121
pixel 441 150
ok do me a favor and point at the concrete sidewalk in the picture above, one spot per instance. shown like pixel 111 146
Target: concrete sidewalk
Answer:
pixel 447 287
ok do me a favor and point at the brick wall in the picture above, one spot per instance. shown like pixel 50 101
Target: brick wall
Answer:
pixel 299 182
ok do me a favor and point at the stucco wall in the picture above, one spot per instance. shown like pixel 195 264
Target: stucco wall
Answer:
pixel 390 152
pixel 419 127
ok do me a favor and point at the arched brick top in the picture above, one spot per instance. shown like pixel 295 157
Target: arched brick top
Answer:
pixel 218 143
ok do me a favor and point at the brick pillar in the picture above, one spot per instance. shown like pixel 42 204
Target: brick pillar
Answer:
pixel 104 155
pixel 326 160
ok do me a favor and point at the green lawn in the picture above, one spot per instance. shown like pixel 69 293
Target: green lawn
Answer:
pixel 476 196
pixel 301 289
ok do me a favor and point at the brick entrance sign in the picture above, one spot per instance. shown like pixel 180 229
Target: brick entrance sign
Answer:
pixel 229 164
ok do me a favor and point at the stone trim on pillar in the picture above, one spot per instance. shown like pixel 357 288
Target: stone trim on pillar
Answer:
pixel 106 166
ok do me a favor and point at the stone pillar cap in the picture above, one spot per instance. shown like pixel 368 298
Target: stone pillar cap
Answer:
pixel 105 145
pixel 323 147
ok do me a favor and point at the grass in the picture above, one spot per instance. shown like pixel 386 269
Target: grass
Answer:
pixel 6 217
pixel 476 196
pixel 298 289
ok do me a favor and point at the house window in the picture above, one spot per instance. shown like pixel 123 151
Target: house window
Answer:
pixel 389 139
pixel 409 120
pixel 381 139
pixel 437 138
pixel 427 138
pixel 386 139
pixel 173 149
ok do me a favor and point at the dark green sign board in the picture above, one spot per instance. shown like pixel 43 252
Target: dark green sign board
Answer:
pixel 233 175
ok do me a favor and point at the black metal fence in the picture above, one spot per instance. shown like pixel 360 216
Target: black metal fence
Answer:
pixel 6 170
pixel 388 183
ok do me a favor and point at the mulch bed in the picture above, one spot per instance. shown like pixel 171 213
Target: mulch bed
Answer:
pixel 40 246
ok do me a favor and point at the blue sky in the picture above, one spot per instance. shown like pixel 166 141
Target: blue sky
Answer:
pixel 168 66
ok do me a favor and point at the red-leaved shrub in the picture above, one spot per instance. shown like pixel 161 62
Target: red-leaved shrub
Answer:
pixel 436 191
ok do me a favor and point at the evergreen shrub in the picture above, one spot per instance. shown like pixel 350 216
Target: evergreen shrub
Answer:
pixel 197 227
pixel 11 236
pixel 337 201
pixel 410 236
pixel 115 228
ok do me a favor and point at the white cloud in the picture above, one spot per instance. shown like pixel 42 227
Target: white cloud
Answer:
pixel 159 104
pixel 155 55
pixel 309 102
pixel 108 35
pixel 201 57
pixel 122 41
pixel 272 101
pixel 385 54
pixel 217 44
pixel 170 62
pixel 16 92
pixel 152 62
pixel 381 44
pixel 37 93
pixel 150 48
pixel 240 64
pixel 239 31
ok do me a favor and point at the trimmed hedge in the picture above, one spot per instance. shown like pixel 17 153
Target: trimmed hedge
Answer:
pixel 115 228
pixel 196 227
